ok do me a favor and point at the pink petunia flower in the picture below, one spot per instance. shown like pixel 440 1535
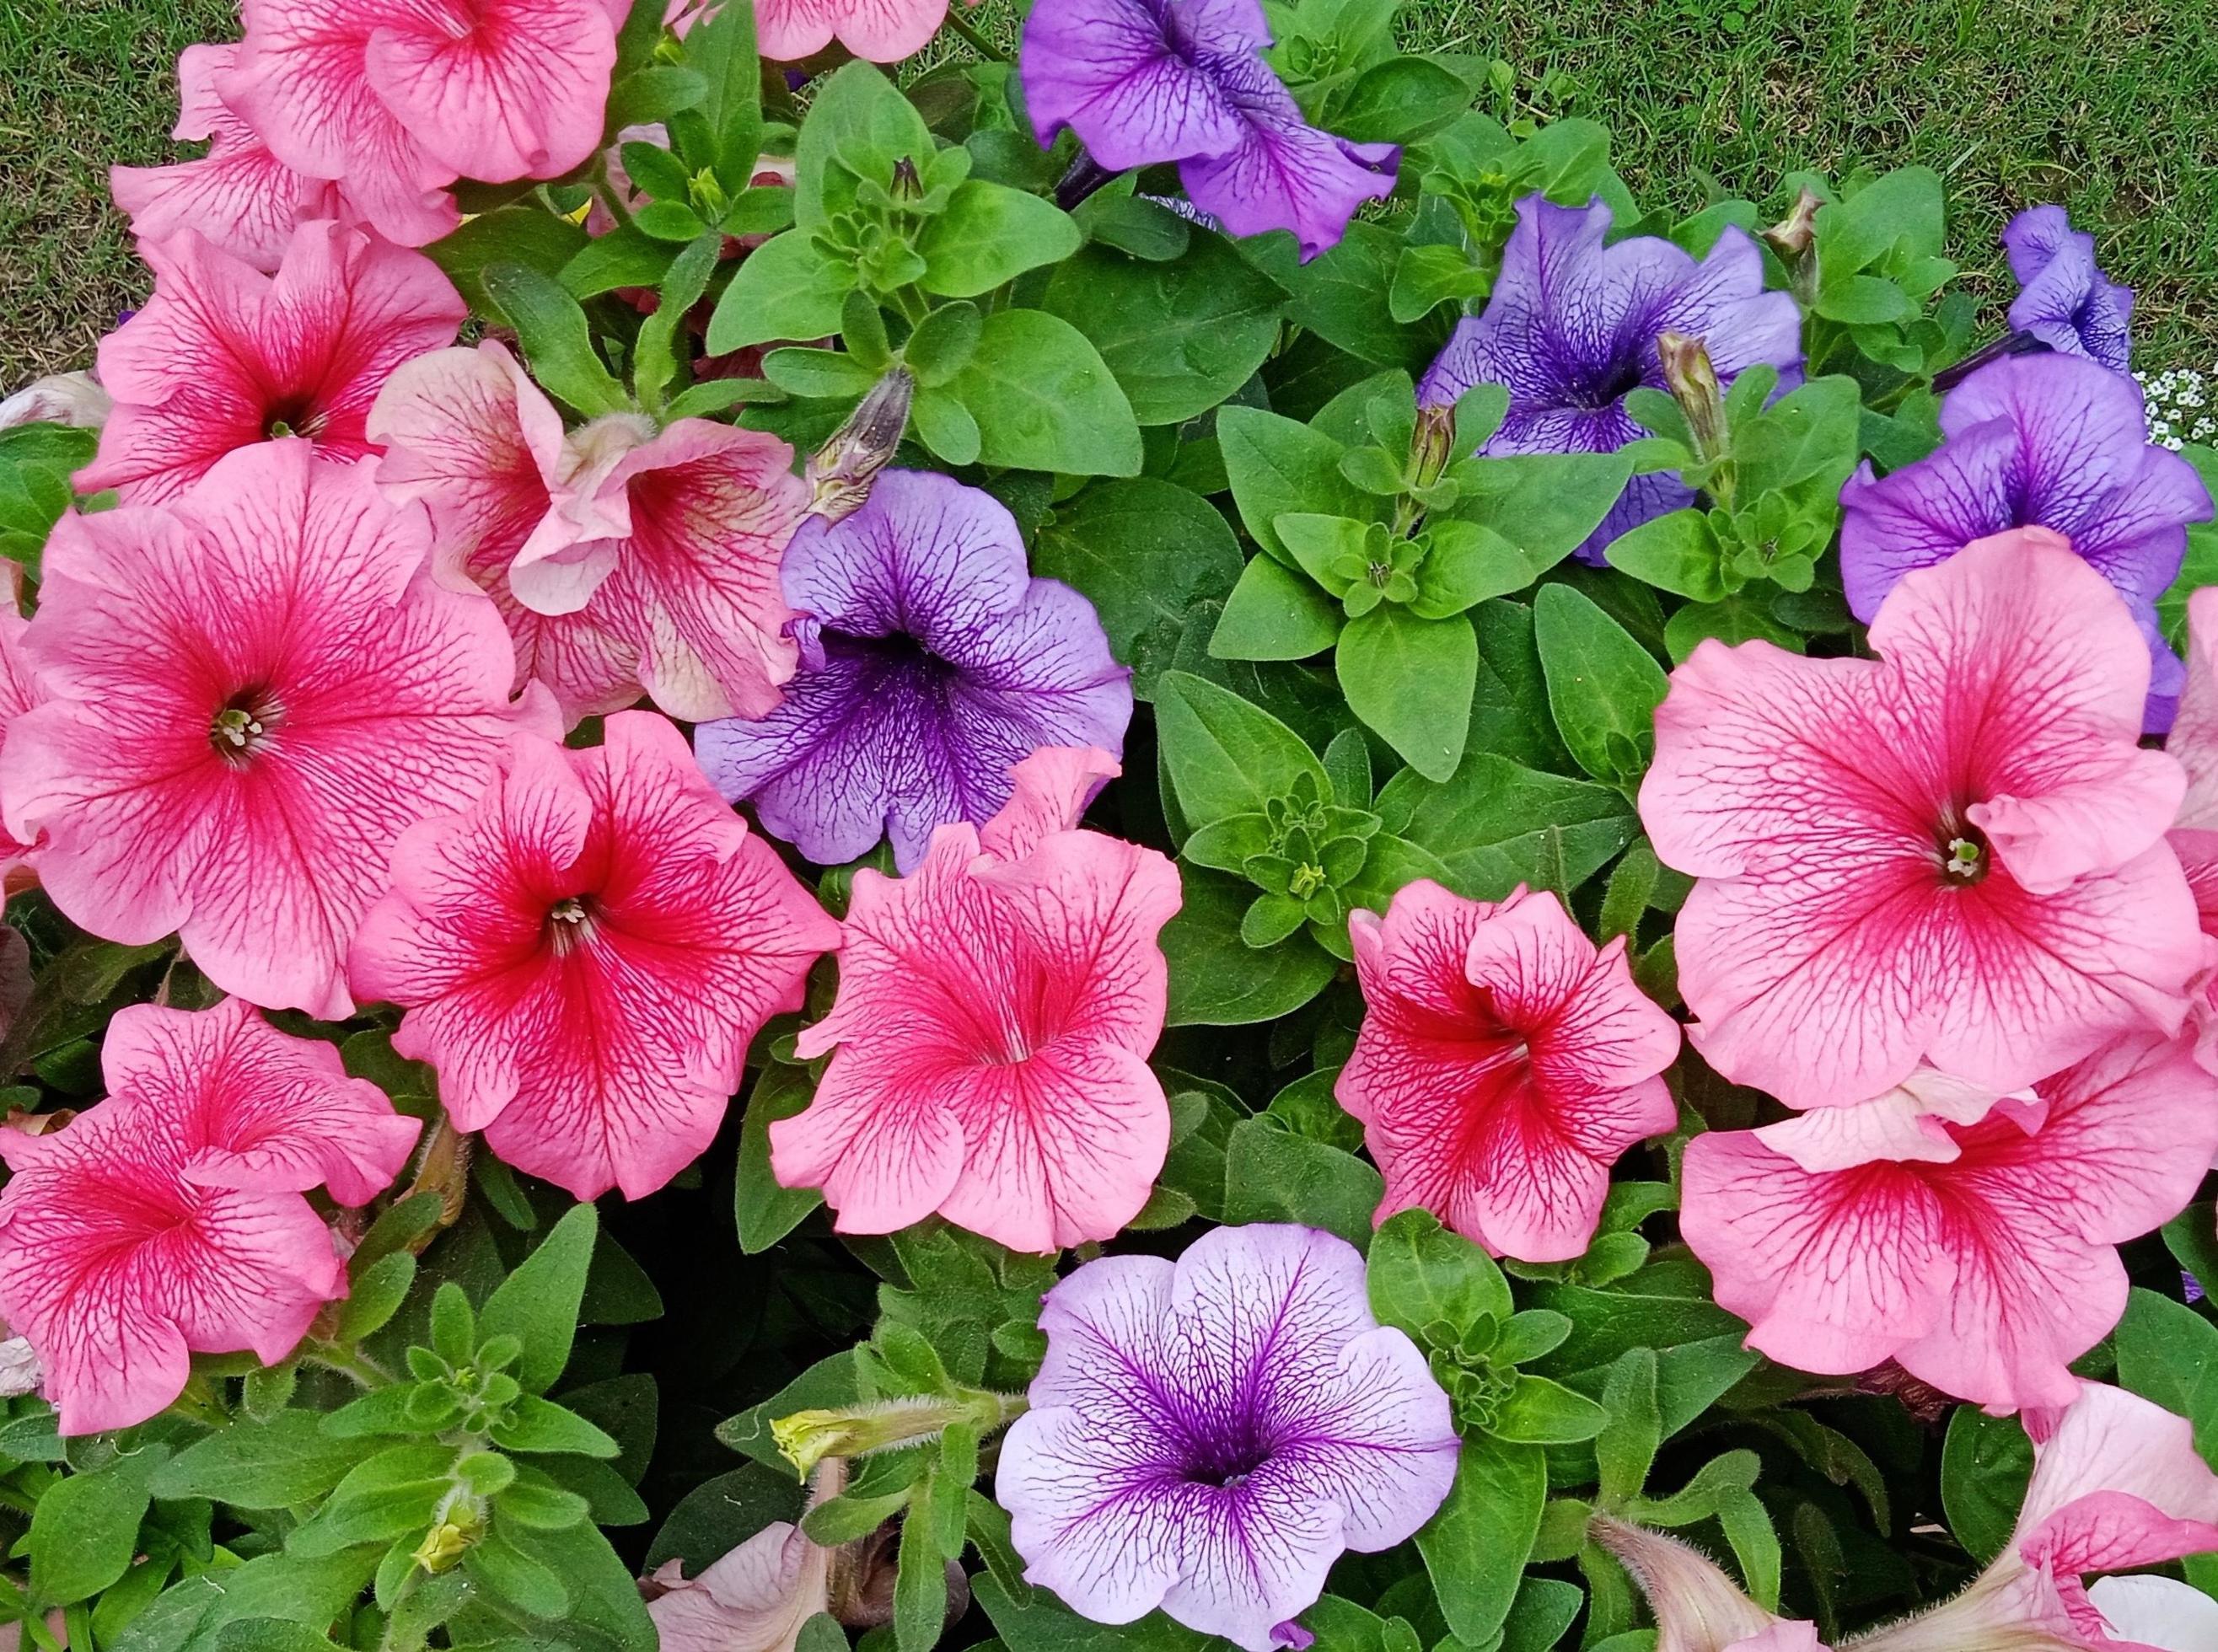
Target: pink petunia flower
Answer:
pixel 1952 855
pixel 996 1010
pixel 250 693
pixel 2194 836
pixel 224 356
pixel 754 1599
pixel 241 198
pixel 630 559
pixel 1983 1258
pixel 395 99
pixel 585 953
pixel 169 1220
pixel 1502 1065
pixel 19 692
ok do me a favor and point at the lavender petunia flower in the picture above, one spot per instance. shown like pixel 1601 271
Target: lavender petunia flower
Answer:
pixel 1147 81
pixel 1571 328
pixel 1208 1436
pixel 932 662
pixel 2049 441
pixel 2063 298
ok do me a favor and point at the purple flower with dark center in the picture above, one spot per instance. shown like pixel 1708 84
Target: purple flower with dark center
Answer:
pixel 1208 1436
pixel 2049 441
pixel 1148 81
pixel 1571 328
pixel 2063 298
pixel 932 663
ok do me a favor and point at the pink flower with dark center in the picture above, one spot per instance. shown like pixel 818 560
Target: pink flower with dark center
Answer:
pixel 1503 1064
pixel 19 692
pixel 241 198
pixel 996 1008
pixel 1952 855
pixel 224 356
pixel 169 1220
pixel 395 99
pixel 585 953
pixel 250 693
pixel 1983 1258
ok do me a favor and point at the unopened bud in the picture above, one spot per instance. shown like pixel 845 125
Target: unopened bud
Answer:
pixel 907 184
pixel 839 473
pixel 1698 1608
pixel 1795 239
pixel 808 1437
pixel 1432 444
pixel 449 1538
pixel 1694 384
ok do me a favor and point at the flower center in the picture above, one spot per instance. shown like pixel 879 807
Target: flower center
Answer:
pixel 569 923
pixel 243 725
pixel 1607 386
pixel 1966 854
pixel 1226 1465
pixel 292 416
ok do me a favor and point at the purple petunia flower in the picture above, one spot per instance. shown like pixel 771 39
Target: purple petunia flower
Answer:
pixel 1208 1436
pixel 1147 81
pixel 2049 441
pixel 932 663
pixel 2063 300
pixel 1571 328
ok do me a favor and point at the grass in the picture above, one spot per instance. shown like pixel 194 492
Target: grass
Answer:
pixel 2109 106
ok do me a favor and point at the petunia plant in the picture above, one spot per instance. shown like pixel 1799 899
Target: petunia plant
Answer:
pixel 840 823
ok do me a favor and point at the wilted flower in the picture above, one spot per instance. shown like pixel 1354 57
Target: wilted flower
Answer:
pixel 1209 1435
pixel 168 1219
pixel 840 473
pixel 1503 1063
pixel 932 663
pixel 1573 326
pixel 586 952
pixel 1953 855
pixel 2047 440
pixel 224 356
pixel 995 1011
pixel 74 399
pixel 2064 300
pixel 1149 81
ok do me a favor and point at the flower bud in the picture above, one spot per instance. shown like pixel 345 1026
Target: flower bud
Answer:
pixel 840 472
pixel 1698 1608
pixel 808 1437
pixel 1694 384
pixel 908 183
pixel 1795 239
pixel 1432 444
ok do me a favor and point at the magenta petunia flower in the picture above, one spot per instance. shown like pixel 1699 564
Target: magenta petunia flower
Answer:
pixel 19 692
pixel 250 693
pixel 1953 855
pixel 239 196
pixel 1503 1064
pixel 169 1220
pixel 1983 1259
pixel 394 99
pixel 2035 442
pixel 2064 300
pixel 224 356
pixel 995 1011
pixel 1209 1435
pixel 932 663
pixel 1149 81
pixel 585 954
pixel 1571 328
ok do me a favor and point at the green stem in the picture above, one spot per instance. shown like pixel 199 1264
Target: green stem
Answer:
pixel 348 1362
pixel 976 41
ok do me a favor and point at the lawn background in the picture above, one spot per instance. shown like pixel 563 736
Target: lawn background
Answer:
pixel 2109 106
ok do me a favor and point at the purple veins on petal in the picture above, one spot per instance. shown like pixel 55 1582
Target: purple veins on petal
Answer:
pixel 2064 299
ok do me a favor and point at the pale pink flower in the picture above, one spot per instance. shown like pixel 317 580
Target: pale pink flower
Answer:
pixel 1984 1260
pixel 395 99
pixel 224 356
pixel 1697 1607
pixel 73 399
pixel 755 1598
pixel 2160 1613
pixel 250 693
pixel 2194 739
pixel 169 1220
pixel 884 31
pixel 239 196
pixel 996 1008
pixel 1502 1065
pixel 1953 855
pixel 586 952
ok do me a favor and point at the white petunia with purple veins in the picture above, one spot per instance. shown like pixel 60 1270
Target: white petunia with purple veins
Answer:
pixel 1208 1436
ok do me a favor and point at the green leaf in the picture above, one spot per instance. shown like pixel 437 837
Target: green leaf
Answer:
pixel 1675 552
pixel 989 234
pixel 286 1461
pixel 1421 1274
pixel 537 1304
pixel 1343 294
pixel 1540 1413
pixel 945 425
pixel 1274 614
pixel 1398 102
pixel 1627 1447
pixel 1035 1621
pixel 1984 1466
pixel 818 373
pixel 785 289
pixel 1278 467
pixel 85 1528
pixel 512 1575
pixel 944 342
pixel 858 126
pixel 1740 618
pixel 2168 1353
pixel 1465 564
pixel 537 1424
pixel 1541 1615
pixel 1180 334
pixel 1476 1547
pixel 721 48
pixel 1044 400
pixel 379 1500
pixel 557 344
pixel 1495 824
pixel 1544 504
pixel 920 1585
pixel 1603 687
pixel 764 1211
pixel 1227 756
pixel 1411 680
pixel 1274 1175
pixel 519 234
pixel 605 1609
pixel 1142 552
pixel 1216 980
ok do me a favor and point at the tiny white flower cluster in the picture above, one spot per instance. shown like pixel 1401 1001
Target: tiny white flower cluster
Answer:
pixel 2179 406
